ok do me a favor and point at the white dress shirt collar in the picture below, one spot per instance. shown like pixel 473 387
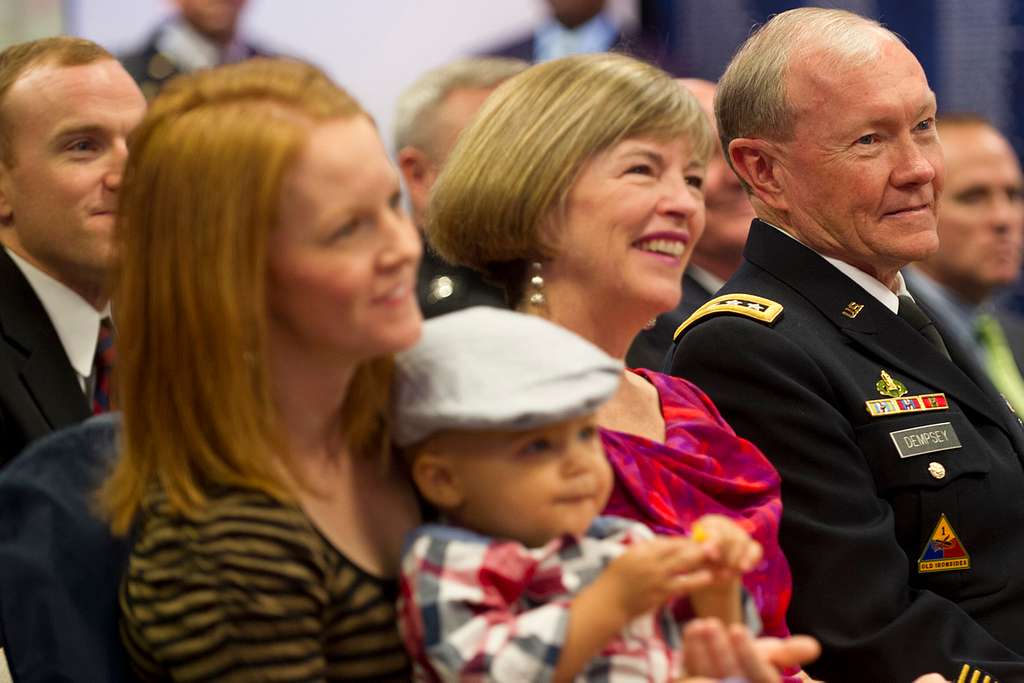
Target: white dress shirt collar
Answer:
pixel 709 281
pixel 552 40
pixel 192 51
pixel 76 322
pixel 869 283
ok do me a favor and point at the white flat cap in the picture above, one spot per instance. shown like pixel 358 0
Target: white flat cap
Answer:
pixel 490 368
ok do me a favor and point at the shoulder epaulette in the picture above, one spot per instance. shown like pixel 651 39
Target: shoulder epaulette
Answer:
pixel 748 305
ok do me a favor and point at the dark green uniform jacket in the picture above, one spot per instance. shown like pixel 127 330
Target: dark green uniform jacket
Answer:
pixel 903 473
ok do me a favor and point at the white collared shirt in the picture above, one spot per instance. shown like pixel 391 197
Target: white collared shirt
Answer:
pixel 76 322
pixel 191 51
pixel 709 281
pixel 869 283
pixel 552 40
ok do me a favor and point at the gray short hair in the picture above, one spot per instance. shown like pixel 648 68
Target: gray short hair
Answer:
pixel 415 115
pixel 751 99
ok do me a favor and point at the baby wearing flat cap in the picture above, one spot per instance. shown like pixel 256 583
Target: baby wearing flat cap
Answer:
pixel 495 414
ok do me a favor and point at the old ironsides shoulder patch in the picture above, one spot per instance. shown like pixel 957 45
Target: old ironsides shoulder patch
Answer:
pixel 943 552
pixel 746 305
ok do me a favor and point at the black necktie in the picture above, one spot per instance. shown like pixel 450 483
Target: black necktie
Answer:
pixel 919 320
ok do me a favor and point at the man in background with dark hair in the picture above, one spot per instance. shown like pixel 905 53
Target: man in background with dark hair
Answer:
pixel 66 109
pixel 981 248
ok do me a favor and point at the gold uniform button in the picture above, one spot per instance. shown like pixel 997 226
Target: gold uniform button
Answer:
pixel 936 470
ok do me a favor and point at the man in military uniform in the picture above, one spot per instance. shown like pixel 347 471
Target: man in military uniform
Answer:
pixel 902 472
pixel 430 115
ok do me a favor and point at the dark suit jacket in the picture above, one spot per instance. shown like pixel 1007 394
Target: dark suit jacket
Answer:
pixel 1013 327
pixel 39 390
pixel 651 347
pixel 859 513
pixel 151 68
pixel 59 566
pixel 940 309
pixel 444 288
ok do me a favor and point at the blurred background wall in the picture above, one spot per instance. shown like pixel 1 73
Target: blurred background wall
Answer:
pixel 973 50
pixel 28 19
pixel 374 48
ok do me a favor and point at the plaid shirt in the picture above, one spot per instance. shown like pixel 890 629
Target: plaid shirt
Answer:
pixel 474 608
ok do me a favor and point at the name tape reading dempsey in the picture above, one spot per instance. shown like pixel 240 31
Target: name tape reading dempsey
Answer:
pixel 925 439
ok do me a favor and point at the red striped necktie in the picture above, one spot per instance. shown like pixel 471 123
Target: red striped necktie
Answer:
pixel 102 367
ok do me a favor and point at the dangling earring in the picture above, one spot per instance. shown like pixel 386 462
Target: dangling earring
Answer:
pixel 536 289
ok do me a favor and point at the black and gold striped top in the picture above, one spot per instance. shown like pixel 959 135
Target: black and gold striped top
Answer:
pixel 251 591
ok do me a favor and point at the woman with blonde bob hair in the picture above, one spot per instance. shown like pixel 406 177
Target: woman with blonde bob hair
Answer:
pixel 266 276
pixel 578 188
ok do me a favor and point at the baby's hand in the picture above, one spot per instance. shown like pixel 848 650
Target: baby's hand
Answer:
pixel 730 550
pixel 653 572
pixel 731 553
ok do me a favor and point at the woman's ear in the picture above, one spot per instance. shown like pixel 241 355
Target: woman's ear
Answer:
pixel 437 481
pixel 6 210
pixel 757 164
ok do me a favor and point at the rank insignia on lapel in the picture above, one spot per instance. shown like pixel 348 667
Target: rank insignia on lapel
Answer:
pixel 943 552
pixel 887 386
pixel 852 309
pixel 906 404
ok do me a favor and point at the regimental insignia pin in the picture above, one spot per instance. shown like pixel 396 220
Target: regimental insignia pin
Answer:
pixel 852 309
pixel 943 552
pixel 887 386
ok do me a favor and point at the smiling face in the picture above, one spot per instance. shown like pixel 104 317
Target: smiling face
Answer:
pixel 861 177
pixel 631 218
pixel 342 261
pixel 69 129
pixel 531 486
pixel 981 219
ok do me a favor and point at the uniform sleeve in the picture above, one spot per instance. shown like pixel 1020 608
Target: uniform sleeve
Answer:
pixel 459 614
pixel 234 601
pixel 851 574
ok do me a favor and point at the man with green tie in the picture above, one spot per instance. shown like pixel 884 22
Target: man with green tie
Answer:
pixel 981 246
